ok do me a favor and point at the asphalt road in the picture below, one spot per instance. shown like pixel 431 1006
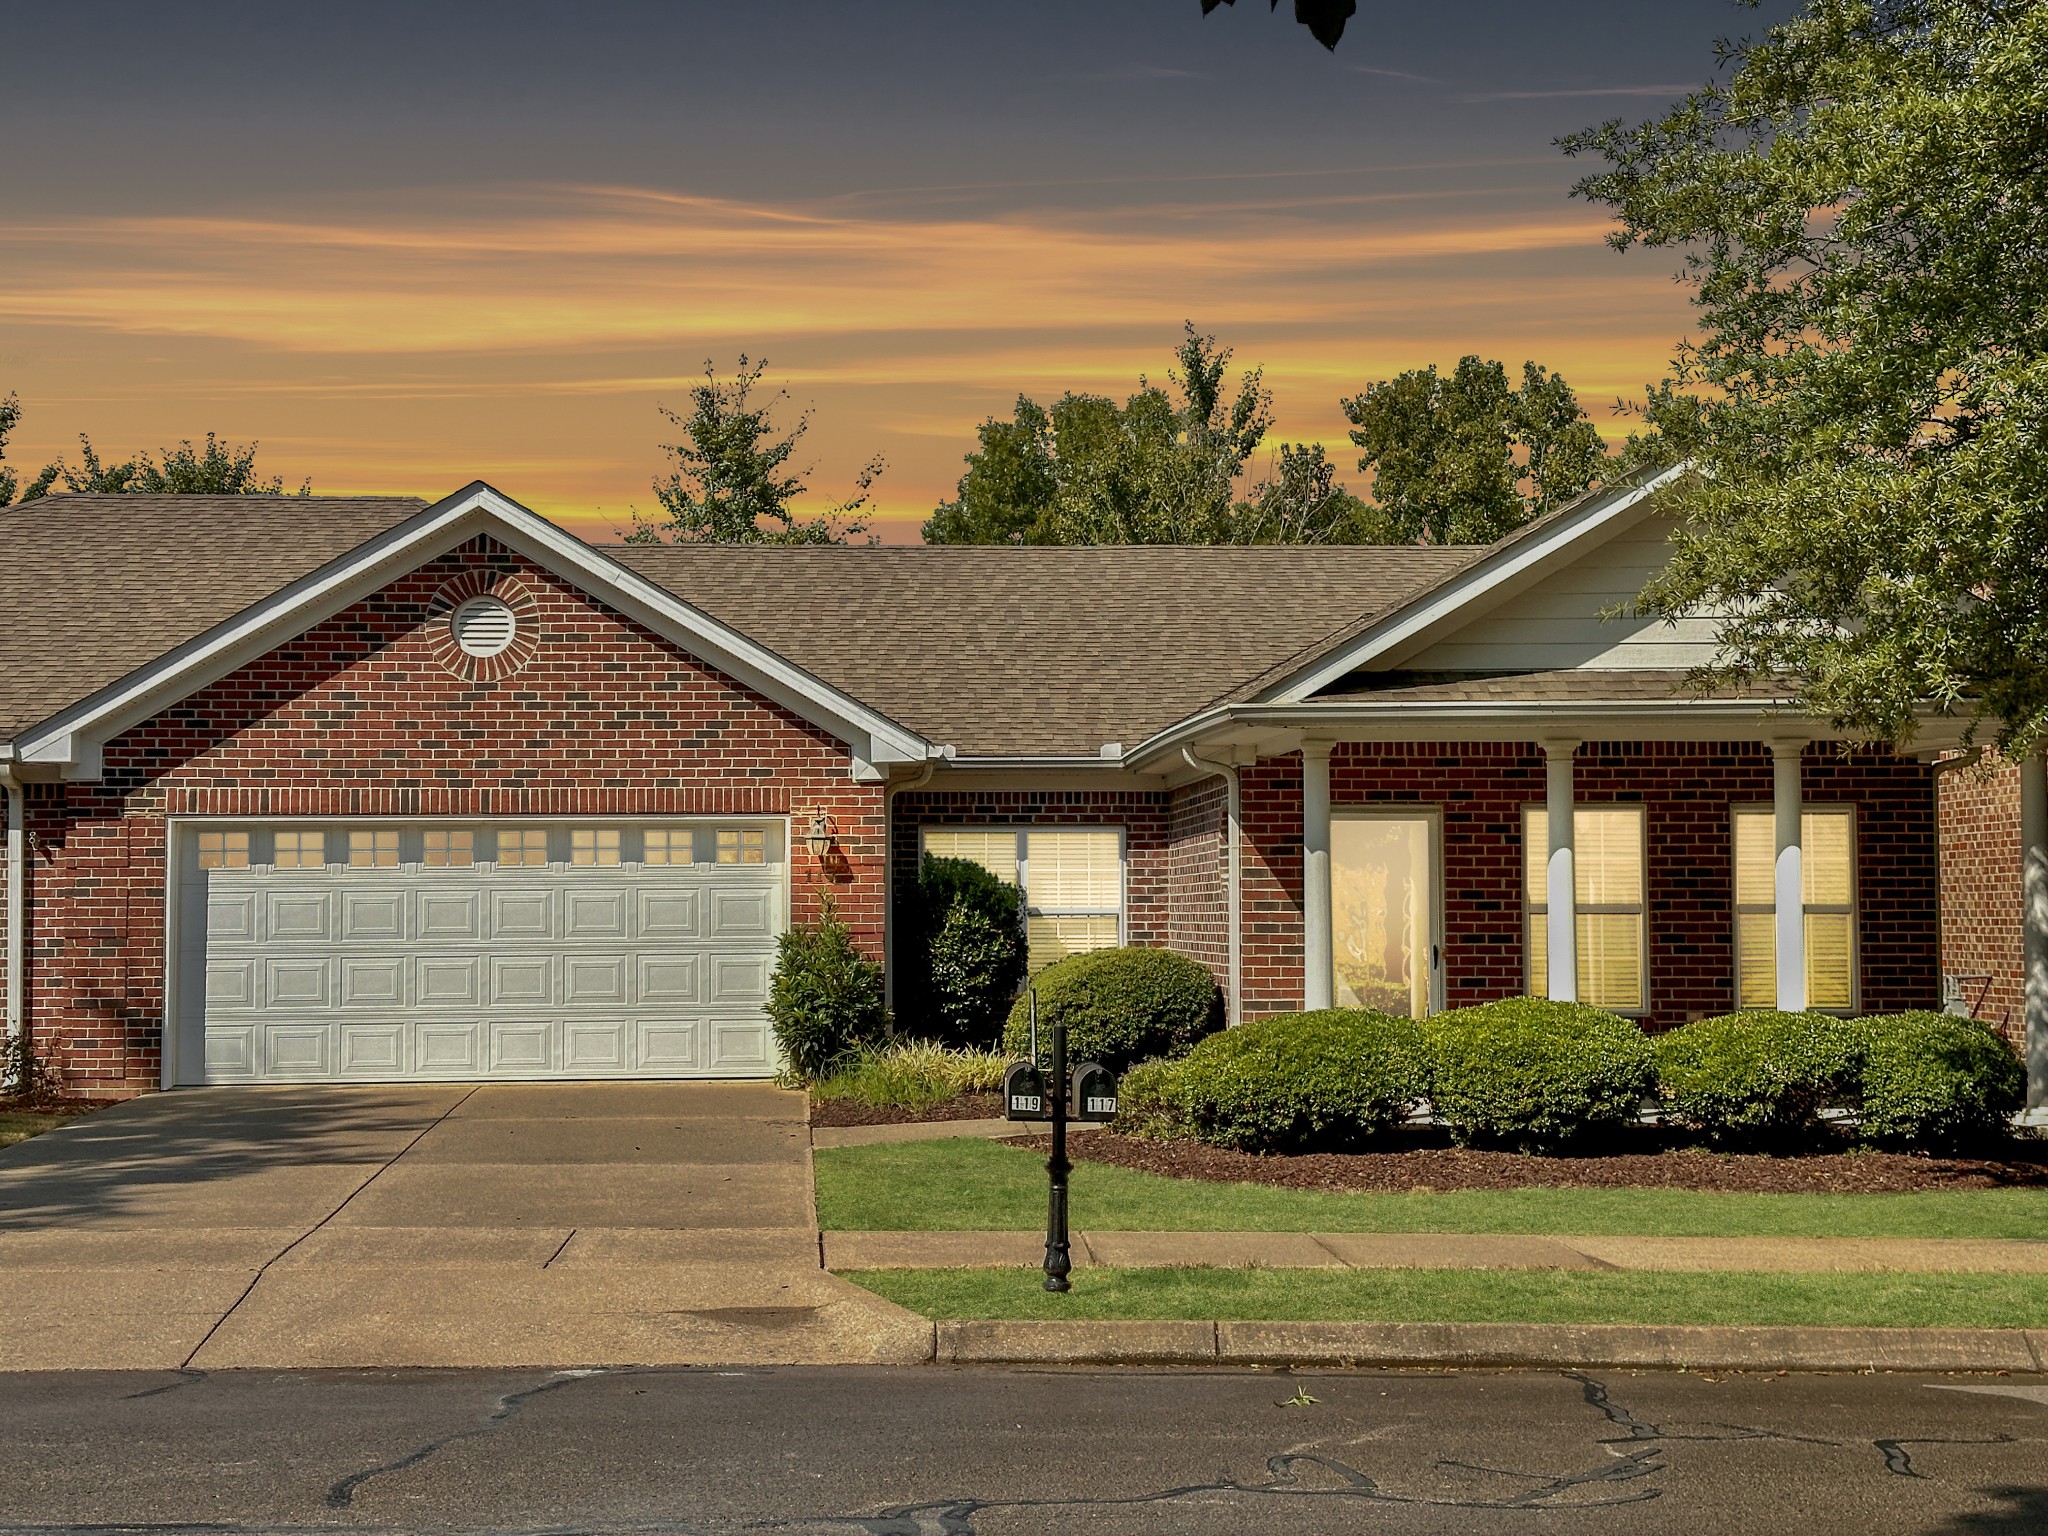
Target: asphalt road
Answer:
pixel 914 1450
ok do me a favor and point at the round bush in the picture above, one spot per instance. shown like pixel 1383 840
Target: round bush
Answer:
pixel 1535 1074
pixel 1150 1100
pixel 1120 1006
pixel 1305 1082
pixel 826 996
pixel 1937 1081
pixel 1757 1077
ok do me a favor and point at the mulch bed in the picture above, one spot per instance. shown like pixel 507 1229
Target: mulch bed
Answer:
pixel 1426 1166
pixel 968 1106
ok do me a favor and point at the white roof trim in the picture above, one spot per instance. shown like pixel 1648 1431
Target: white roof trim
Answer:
pixel 74 736
pixel 1452 605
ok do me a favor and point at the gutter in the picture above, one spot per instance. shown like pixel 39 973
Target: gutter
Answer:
pixel 1234 889
pixel 17 912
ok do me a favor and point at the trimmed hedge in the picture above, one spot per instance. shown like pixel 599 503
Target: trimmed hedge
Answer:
pixel 1937 1081
pixel 1758 1077
pixel 1304 1082
pixel 1121 1006
pixel 1535 1074
pixel 826 997
pixel 1151 1101
pixel 960 952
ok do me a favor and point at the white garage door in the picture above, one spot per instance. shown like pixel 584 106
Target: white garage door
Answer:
pixel 325 952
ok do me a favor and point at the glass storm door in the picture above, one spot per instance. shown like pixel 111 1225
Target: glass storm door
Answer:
pixel 1384 898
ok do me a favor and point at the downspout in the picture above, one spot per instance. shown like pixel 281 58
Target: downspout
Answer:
pixel 1234 880
pixel 1942 766
pixel 889 794
pixel 17 913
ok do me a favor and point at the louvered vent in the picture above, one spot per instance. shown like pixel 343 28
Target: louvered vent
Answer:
pixel 483 626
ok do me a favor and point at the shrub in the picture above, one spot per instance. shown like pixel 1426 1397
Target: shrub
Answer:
pixel 1305 1082
pixel 826 997
pixel 910 1074
pixel 1151 1100
pixel 1757 1077
pixel 1937 1081
pixel 961 951
pixel 1121 1005
pixel 1536 1074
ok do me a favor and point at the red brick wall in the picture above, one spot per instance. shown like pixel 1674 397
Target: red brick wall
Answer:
pixel 1687 790
pixel 1981 939
pixel 358 718
pixel 1197 874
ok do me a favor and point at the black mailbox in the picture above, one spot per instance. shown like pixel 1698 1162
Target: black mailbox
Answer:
pixel 1024 1093
pixel 1094 1092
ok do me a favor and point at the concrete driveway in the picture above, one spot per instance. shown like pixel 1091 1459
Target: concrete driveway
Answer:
pixel 452 1225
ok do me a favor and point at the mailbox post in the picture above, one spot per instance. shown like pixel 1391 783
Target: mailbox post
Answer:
pixel 1086 1093
pixel 1059 1255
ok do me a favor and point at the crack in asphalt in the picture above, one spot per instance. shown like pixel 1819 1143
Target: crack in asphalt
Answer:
pixel 187 1377
pixel 342 1494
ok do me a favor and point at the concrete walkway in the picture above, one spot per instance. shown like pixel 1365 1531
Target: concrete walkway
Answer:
pixel 458 1225
pixel 1439 1250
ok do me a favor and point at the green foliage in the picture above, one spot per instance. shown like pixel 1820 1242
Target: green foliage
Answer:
pixel 1324 18
pixel 1151 1100
pixel 1935 1081
pixel 826 996
pixel 218 469
pixel 910 1074
pixel 1859 206
pixel 732 482
pixel 960 951
pixel 1305 1082
pixel 1758 1077
pixel 1536 1074
pixel 1465 459
pixel 1121 1006
pixel 26 1075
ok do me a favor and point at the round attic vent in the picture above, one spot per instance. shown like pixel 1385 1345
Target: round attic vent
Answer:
pixel 483 626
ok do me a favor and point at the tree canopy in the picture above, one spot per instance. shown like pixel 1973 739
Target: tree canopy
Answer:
pixel 733 482
pixel 1861 212
pixel 1324 18
pixel 218 469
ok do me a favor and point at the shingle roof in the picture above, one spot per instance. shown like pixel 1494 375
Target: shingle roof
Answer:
pixel 1589 685
pixel 1039 651
pixel 92 587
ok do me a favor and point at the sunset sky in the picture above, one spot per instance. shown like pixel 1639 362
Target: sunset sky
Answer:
pixel 406 246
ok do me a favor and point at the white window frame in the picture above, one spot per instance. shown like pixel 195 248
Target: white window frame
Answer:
pixel 1433 814
pixel 1641 909
pixel 1024 831
pixel 1738 909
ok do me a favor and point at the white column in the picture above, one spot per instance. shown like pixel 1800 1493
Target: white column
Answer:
pixel 1790 887
pixel 2034 921
pixel 1318 978
pixel 1561 880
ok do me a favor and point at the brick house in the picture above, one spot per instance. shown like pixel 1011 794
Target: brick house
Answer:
pixel 364 789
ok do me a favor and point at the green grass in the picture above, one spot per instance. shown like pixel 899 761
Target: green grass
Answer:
pixel 911 1074
pixel 963 1185
pixel 20 1124
pixel 1492 1296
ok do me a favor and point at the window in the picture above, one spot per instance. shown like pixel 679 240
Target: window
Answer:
pixel 524 847
pixel 373 850
pixel 668 845
pixel 743 846
pixel 594 845
pixel 1607 859
pixel 300 850
pixel 1828 843
pixel 445 849
pixel 1073 883
pixel 223 850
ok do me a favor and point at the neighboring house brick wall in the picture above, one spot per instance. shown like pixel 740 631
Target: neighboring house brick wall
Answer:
pixel 1688 790
pixel 1197 875
pixel 1981 939
pixel 357 718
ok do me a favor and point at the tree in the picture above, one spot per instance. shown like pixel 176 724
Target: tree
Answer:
pixel 732 482
pixel 1324 18
pixel 1466 459
pixel 1300 502
pixel 1161 468
pixel 218 469
pixel 1862 211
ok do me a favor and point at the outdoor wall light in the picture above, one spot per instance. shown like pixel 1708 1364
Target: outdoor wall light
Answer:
pixel 819 838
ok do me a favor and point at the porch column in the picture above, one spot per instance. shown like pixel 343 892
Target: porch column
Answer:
pixel 1561 881
pixel 1790 886
pixel 2034 920
pixel 1318 965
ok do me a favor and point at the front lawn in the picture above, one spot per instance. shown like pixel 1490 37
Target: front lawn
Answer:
pixel 1492 1296
pixel 945 1186
pixel 17 1124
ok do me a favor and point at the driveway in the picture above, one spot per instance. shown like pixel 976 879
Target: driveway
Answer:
pixel 451 1225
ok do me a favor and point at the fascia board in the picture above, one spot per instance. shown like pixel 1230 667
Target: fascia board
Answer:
pixel 1448 607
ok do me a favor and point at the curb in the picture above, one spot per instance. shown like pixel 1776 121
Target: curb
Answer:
pixel 1602 1346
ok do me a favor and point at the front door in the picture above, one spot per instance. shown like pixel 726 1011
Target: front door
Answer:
pixel 1384 897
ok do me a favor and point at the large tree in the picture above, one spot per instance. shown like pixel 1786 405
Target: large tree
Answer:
pixel 733 482
pixel 1324 18
pixel 1861 206
pixel 1465 459
pixel 218 469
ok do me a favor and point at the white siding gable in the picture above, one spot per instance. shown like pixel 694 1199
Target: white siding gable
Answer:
pixel 1555 624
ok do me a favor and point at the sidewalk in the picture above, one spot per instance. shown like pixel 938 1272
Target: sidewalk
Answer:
pixel 1439 1250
